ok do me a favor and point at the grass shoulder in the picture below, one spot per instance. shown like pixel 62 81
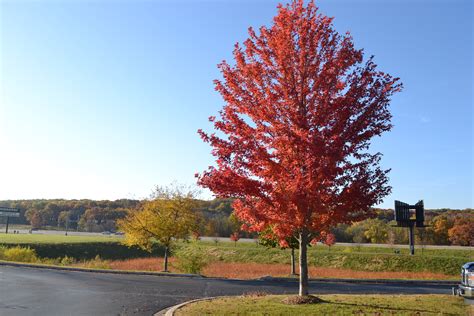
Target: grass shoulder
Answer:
pixel 334 304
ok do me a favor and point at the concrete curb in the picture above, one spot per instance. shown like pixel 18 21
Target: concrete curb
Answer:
pixel 171 310
pixel 265 278
pixel 40 266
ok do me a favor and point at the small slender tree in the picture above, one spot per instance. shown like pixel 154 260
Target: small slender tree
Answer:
pixel 330 240
pixel 268 239
pixel 196 235
pixel 235 236
pixel 301 106
pixel 167 217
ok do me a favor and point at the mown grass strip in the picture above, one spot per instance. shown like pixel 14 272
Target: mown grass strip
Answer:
pixel 53 239
pixel 449 265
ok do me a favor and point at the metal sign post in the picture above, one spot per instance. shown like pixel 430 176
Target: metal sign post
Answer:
pixel 410 216
pixel 9 212
pixel 411 238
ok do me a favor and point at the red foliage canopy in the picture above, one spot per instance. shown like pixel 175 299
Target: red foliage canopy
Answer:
pixel 300 109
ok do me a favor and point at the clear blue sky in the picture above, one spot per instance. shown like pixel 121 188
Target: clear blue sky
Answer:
pixel 102 99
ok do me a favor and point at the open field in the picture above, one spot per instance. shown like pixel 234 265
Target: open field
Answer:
pixel 398 246
pixel 243 251
pixel 336 304
pixel 24 229
pixel 466 252
pixel 54 238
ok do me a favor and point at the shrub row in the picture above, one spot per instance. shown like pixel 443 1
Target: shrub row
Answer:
pixel 18 254
pixel 88 250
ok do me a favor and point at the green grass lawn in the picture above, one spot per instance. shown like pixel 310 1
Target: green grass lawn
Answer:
pixel 52 239
pixel 446 261
pixel 242 248
pixel 334 305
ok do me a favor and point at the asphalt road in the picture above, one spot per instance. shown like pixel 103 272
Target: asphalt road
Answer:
pixel 33 291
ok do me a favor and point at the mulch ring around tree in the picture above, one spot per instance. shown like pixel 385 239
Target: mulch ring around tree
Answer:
pixel 306 299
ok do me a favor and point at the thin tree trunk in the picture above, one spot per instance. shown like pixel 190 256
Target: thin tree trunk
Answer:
pixel 303 264
pixel 293 268
pixel 166 260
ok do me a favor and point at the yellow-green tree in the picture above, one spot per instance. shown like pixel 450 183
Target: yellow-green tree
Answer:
pixel 168 216
pixel 377 231
pixel 441 225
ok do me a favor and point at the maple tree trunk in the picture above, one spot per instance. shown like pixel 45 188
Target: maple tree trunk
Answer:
pixel 166 260
pixel 293 268
pixel 303 264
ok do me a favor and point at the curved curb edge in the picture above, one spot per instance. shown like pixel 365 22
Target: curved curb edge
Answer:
pixel 171 310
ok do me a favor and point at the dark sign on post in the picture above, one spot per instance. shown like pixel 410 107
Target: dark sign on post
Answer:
pixel 9 212
pixel 410 216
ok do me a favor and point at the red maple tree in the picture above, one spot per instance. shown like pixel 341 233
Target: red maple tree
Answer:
pixel 301 106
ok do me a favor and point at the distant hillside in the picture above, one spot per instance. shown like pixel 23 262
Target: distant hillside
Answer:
pixel 446 226
pixel 97 216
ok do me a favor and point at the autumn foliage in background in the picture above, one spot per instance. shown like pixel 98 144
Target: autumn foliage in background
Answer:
pixel 301 106
pixel 462 231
